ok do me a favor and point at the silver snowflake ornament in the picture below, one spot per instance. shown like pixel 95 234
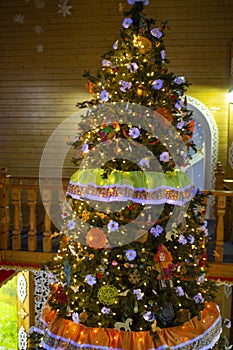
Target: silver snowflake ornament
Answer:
pixel 39 48
pixel 38 29
pixel 64 8
pixel 39 4
pixel 18 19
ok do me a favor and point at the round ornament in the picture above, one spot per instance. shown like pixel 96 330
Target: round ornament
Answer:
pixel 141 90
pixel 83 316
pixel 108 294
pixel 96 238
pixel 167 315
pixel 142 43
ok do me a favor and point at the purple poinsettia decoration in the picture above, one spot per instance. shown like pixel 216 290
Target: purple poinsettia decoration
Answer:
pixel 157 84
pixel 130 254
pixel 112 226
pixel 104 95
pixel 134 133
pixel 156 33
pixel 127 22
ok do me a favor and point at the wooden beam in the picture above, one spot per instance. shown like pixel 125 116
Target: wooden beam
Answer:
pixel 27 257
pixel 221 271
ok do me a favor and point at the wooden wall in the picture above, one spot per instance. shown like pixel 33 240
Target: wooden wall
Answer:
pixel 39 90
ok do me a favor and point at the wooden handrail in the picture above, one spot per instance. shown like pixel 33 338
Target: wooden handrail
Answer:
pixel 219 193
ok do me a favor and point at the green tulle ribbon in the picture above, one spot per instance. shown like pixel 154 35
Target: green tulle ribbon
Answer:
pixel 134 179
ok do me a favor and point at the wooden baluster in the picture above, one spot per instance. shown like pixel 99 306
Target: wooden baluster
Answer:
pixel 219 176
pixel 47 239
pixel 220 184
pixel 4 210
pixel 222 226
pixel 16 200
pixel 220 212
pixel 32 239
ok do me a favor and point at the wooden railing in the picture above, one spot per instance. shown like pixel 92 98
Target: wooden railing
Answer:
pixel 24 204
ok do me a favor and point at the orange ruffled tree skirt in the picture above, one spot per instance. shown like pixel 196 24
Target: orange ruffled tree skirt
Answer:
pixel 60 333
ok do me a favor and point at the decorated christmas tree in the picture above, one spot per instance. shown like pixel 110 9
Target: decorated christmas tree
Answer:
pixel 131 272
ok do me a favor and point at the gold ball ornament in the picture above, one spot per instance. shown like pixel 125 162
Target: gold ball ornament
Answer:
pixel 143 237
pixel 83 316
pixel 141 90
pixel 142 43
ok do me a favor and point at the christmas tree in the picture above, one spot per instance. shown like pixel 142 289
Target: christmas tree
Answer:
pixel 131 272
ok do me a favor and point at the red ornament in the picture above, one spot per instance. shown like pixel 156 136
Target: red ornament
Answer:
pixel 99 276
pixel 202 260
pixel 58 291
